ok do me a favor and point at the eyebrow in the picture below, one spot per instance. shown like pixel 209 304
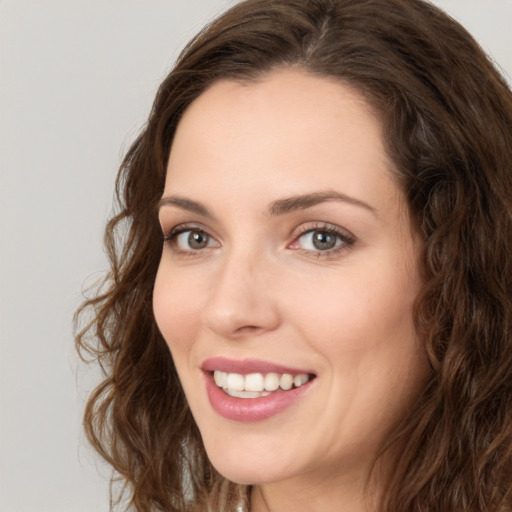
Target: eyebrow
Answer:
pixel 185 204
pixel 278 207
pixel 302 202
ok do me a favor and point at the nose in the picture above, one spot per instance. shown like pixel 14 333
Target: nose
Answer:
pixel 241 299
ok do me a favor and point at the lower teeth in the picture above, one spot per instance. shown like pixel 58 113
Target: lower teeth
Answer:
pixel 247 394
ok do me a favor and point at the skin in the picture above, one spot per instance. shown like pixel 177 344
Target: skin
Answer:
pixel 260 289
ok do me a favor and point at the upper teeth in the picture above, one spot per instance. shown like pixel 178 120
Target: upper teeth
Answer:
pixel 258 382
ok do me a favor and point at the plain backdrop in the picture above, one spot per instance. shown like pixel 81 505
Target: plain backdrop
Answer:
pixel 77 79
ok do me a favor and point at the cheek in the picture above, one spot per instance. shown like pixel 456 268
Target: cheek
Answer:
pixel 177 312
pixel 354 310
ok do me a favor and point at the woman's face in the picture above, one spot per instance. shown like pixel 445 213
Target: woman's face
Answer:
pixel 290 262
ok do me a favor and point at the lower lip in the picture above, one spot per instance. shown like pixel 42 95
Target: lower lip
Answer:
pixel 251 409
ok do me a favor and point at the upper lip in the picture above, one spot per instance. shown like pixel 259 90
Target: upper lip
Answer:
pixel 246 366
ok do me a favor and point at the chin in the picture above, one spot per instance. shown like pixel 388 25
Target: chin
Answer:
pixel 247 473
pixel 249 465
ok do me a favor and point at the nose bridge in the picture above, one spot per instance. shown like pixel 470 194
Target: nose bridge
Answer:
pixel 240 296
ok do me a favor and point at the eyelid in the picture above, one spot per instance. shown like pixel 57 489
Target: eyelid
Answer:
pixel 169 236
pixel 347 238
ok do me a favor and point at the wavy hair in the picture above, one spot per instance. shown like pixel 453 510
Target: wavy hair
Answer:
pixel 447 118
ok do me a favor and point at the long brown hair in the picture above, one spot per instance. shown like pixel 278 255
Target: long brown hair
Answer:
pixel 447 118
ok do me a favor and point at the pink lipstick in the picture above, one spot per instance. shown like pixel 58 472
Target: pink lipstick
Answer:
pixel 253 390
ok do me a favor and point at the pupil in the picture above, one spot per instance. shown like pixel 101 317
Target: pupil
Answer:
pixel 323 241
pixel 197 240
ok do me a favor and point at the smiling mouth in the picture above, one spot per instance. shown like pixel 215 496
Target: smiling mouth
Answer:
pixel 256 385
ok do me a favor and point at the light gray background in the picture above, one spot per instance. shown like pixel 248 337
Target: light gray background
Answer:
pixel 77 79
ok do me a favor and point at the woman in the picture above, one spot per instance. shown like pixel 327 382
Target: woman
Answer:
pixel 326 324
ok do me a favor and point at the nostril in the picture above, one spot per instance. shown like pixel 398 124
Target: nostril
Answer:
pixel 248 328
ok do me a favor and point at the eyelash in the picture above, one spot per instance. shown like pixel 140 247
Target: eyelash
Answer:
pixel 347 240
pixel 171 237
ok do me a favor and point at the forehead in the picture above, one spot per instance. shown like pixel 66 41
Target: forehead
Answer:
pixel 287 98
pixel 290 129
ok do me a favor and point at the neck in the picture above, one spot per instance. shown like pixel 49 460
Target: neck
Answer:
pixel 335 493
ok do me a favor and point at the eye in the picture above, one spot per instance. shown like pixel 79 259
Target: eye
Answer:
pixel 187 239
pixel 194 240
pixel 323 240
pixel 319 240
